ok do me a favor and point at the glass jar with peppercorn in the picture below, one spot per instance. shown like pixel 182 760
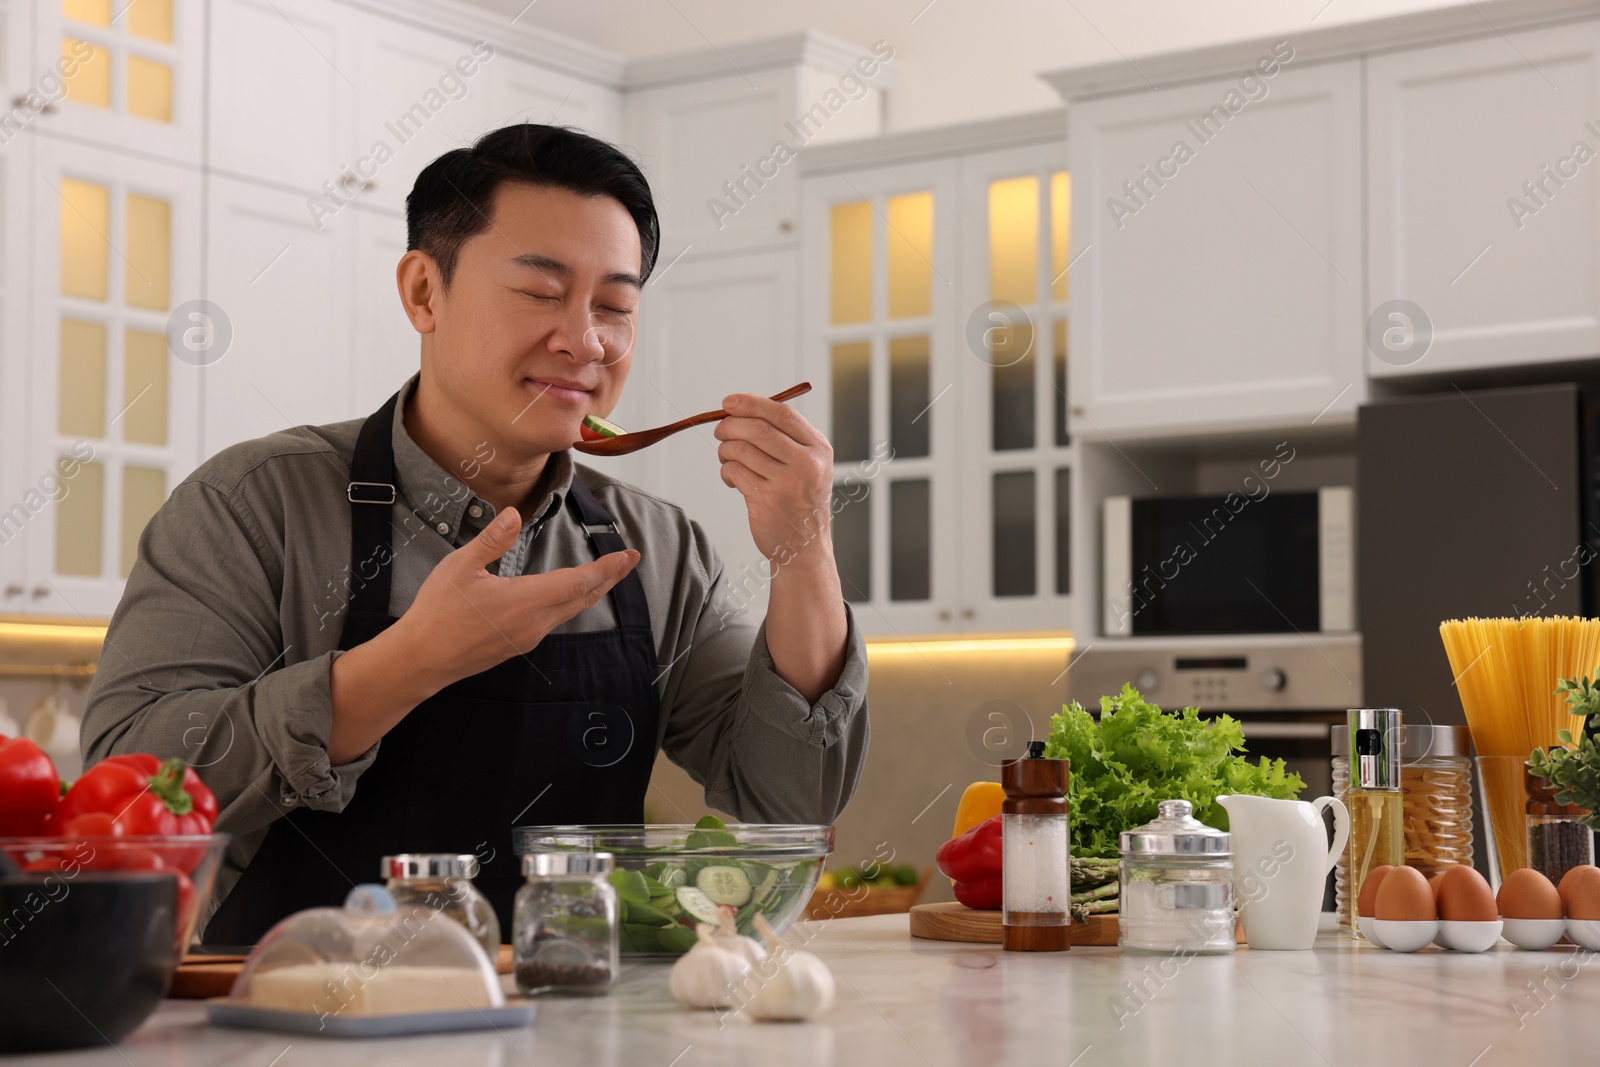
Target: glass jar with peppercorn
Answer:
pixel 1557 840
pixel 566 938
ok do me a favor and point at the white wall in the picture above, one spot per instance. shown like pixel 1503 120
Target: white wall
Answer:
pixel 957 60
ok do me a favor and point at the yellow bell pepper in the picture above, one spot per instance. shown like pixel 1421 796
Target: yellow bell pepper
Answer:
pixel 980 802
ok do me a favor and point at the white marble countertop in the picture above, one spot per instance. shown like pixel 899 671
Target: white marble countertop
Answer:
pixel 907 1001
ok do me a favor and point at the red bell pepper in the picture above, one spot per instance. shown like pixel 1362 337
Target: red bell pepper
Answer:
pixel 143 795
pixel 974 861
pixel 29 788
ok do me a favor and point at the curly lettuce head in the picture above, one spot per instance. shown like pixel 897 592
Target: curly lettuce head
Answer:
pixel 1138 755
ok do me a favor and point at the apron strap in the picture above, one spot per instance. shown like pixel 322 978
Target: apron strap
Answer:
pixel 372 493
pixel 627 596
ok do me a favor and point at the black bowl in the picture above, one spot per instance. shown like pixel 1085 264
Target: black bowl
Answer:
pixel 84 957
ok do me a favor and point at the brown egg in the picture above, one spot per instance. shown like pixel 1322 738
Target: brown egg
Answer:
pixel 1464 896
pixel 1404 896
pixel 1366 904
pixel 1580 892
pixel 1527 894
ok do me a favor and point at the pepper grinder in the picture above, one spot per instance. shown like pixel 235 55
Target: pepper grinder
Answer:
pixel 1036 883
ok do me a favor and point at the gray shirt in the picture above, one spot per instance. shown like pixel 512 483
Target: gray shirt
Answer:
pixel 221 647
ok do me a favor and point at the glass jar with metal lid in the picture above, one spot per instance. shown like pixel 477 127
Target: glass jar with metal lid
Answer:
pixel 566 938
pixel 1436 805
pixel 443 882
pixel 1177 885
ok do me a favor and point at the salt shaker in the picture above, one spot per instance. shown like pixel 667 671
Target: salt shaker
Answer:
pixel 1037 887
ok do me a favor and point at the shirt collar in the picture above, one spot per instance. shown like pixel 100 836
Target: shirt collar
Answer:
pixel 440 496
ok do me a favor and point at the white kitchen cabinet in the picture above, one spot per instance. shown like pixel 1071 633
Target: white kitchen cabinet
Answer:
pixel 387 350
pixel 285 286
pixel 283 92
pixel 116 252
pixel 1220 291
pixel 136 73
pixel 422 93
pixel 1484 205
pixel 526 92
pixel 717 133
pixel 708 328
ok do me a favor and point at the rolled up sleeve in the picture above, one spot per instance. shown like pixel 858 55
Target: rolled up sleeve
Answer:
pixel 760 749
pixel 195 666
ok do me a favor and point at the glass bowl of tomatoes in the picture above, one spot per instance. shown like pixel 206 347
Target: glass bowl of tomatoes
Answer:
pixel 191 860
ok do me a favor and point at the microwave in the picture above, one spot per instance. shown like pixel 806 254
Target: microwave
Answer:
pixel 1236 564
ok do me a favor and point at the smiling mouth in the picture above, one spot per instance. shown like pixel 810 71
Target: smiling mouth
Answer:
pixel 554 391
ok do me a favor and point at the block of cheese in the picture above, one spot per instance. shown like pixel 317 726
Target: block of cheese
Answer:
pixel 353 989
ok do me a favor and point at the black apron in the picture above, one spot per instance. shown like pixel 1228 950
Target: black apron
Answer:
pixel 564 734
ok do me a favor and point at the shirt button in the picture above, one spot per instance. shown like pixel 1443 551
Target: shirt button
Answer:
pixel 443 527
pixel 475 511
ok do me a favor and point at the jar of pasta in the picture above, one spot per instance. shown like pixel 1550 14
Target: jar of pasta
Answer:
pixel 1436 791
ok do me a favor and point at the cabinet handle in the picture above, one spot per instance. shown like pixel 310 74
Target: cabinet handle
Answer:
pixel 968 613
pixel 1076 410
pixel 14 589
pixel 944 614
pixel 785 226
pixel 40 591
pixel 26 100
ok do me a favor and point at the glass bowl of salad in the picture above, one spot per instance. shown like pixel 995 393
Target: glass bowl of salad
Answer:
pixel 672 877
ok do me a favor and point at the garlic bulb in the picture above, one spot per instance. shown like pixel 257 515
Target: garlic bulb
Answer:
pixel 706 975
pixel 727 936
pixel 801 987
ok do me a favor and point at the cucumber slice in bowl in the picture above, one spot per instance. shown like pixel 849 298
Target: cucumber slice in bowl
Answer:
pixel 699 905
pixel 724 885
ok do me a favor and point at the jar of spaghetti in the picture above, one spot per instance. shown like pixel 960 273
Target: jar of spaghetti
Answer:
pixel 1436 792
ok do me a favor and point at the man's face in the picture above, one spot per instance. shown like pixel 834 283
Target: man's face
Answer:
pixel 536 329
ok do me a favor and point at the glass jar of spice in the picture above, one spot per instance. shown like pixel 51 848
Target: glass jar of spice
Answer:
pixel 566 924
pixel 1436 801
pixel 443 882
pixel 1557 841
pixel 1177 885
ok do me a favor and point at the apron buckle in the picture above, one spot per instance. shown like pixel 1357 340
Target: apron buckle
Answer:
pixel 370 493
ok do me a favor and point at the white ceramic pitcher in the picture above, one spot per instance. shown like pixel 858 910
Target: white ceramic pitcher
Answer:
pixel 1281 861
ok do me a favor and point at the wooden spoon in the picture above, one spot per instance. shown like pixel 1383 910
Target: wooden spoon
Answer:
pixel 622 444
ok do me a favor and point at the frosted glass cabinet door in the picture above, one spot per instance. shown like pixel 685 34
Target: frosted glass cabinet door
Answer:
pixel 1016 457
pixel 130 73
pixel 112 417
pixel 881 343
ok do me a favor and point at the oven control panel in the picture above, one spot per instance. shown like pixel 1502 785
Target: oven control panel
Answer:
pixel 1320 671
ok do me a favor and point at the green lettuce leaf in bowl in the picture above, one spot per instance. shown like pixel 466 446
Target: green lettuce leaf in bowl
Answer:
pixel 1137 755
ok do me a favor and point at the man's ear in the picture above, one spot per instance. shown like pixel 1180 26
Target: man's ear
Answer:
pixel 418 279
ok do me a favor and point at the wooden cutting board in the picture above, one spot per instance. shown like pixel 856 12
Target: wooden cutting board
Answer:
pixel 203 977
pixel 957 922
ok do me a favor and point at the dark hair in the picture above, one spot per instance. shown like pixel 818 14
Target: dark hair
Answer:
pixel 452 197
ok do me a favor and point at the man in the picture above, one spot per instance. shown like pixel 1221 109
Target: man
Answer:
pixel 411 632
